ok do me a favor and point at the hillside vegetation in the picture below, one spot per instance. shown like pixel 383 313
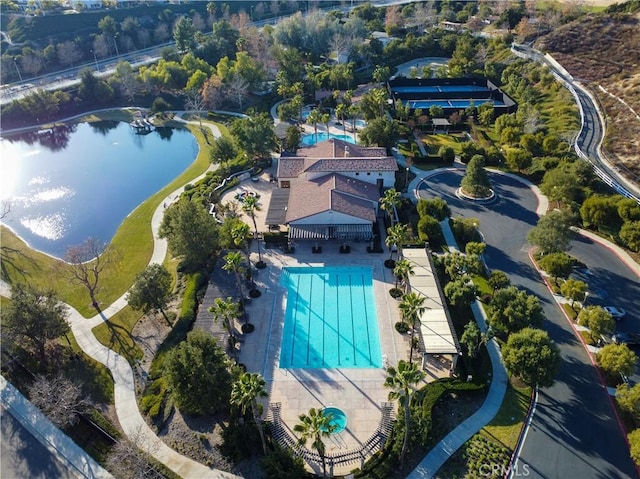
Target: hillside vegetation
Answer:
pixel 603 52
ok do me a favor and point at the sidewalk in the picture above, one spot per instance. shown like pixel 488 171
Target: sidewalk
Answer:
pixel 436 458
pixel 57 442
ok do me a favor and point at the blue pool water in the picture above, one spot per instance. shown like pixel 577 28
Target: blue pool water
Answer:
pixel 331 319
pixel 312 139
pixel 439 88
pixel 338 418
pixel 424 104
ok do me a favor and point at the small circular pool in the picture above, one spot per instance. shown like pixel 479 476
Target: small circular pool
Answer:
pixel 338 418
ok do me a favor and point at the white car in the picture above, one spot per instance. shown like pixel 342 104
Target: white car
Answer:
pixel 615 312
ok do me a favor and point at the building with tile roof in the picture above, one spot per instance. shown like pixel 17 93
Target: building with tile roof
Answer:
pixel 331 190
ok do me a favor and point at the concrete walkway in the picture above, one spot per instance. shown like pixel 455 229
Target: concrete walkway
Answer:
pixel 74 458
pixel 129 417
pixel 442 451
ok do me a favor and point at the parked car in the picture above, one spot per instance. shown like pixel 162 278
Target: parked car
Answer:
pixel 617 313
pixel 626 338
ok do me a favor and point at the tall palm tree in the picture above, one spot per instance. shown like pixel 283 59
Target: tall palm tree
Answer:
pixel 412 307
pixel 315 425
pixel 402 271
pixel 390 201
pixel 225 310
pixel 233 264
pixel 314 118
pixel 325 118
pixel 341 111
pixel 250 205
pixel 396 235
pixel 240 234
pixel 245 393
pixel 402 381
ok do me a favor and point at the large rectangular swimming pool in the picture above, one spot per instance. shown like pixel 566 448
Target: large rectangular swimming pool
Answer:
pixel 331 319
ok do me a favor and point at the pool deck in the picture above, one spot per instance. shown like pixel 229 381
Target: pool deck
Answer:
pixel 358 392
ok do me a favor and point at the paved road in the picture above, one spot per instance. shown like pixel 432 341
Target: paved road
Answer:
pixel 23 456
pixel 574 433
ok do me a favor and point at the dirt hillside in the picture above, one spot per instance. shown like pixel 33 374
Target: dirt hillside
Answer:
pixel 603 52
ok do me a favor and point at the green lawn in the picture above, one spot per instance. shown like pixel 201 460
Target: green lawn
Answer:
pixel 433 143
pixel 133 243
pixel 506 426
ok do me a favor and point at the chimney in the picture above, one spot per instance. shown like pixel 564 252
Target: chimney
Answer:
pixel 346 151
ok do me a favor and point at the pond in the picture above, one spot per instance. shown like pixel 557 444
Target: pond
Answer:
pixel 73 182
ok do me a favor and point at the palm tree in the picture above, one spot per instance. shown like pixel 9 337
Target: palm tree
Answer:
pixel 396 235
pixel 233 264
pixel 250 206
pixel 412 307
pixel 245 393
pixel 341 111
pixel 225 310
pixel 240 233
pixel 390 201
pixel 402 271
pixel 325 118
pixel 314 118
pixel 315 425
pixel 402 380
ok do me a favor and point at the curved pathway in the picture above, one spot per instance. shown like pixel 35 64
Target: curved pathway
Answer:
pixel 572 443
pixel 131 421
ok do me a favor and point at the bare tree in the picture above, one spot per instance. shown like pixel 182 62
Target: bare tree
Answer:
pixel 86 263
pixel 59 398
pixel 213 92
pixel 131 459
pixel 194 102
pixel 68 53
pixel 238 87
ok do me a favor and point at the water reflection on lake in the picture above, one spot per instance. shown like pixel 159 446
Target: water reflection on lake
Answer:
pixel 82 180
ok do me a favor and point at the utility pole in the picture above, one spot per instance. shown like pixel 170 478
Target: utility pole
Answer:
pixel 17 69
pixel 96 59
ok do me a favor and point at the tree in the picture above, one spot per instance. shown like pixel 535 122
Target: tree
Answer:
pixel 282 463
pixel 447 154
pixel 628 209
pixel 574 290
pixel 518 159
pixel 151 291
pixel 225 310
pixel 184 34
pixel 86 262
pixel 429 229
pixel 250 206
pixel 197 374
pixel 436 207
pixel 402 381
pixel 471 338
pixel 380 131
pixel 628 399
pixel 315 425
pixel 59 398
pixel 255 134
pixel 461 292
pixel 402 271
pixel 476 182
pixel 513 310
pixel 601 212
pixel 132 457
pixel 531 355
pixel 396 236
pixel 412 308
pixel 391 200
pixel 233 263
pixel 617 359
pixel 630 235
pixel 35 317
pixel 223 150
pixel 313 119
pixel 191 232
pixel 557 265
pixel 597 320
pixel 498 280
pixel 634 444
pixel 553 232
pixel 560 185
pixel 455 265
pixel 245 393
